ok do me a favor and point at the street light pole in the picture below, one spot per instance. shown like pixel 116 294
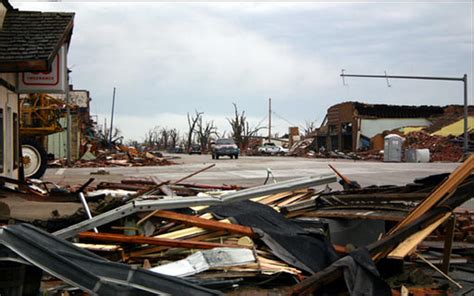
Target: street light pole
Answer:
pixel 463 79
pixel 112 119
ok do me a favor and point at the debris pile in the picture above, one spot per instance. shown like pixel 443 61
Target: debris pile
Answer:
pixel 289 238
pixel 441 148
pixel 120 156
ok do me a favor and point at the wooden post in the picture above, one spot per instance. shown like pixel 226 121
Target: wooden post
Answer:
pixel 448 243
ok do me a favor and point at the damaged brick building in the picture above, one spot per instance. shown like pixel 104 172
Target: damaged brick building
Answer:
pixel 349 126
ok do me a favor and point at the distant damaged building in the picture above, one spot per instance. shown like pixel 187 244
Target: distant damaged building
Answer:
pixel 349 126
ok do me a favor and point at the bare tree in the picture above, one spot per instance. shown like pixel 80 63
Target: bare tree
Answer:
pixel 310 127
pixel 192 121
pixel 152 136
pixel 165 135
pixel 221 135
pixel 104 138
pixel 133 143
pixel 174 137
pixel 241 131
pixel 204 132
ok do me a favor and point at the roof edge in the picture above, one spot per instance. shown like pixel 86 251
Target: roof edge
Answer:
pixel 65 39
pixel 7 5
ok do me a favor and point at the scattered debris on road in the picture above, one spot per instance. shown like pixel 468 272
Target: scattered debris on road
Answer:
pixel 294 237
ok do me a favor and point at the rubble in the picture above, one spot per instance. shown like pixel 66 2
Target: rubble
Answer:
pixel 441 148
pixel 284 238
pixel 121 156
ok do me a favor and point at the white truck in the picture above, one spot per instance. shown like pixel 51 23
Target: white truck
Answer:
pixel 272 149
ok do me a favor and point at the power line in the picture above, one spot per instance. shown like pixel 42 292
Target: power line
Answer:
pixel 261 121
pixel 287 121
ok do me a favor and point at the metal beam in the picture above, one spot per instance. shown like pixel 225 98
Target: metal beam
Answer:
pixel 177 202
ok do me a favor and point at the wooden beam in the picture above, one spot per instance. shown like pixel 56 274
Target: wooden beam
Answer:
pixel 205 223
pixel 441 193
pixel 24 66
pixel 448 243
pixel 135 239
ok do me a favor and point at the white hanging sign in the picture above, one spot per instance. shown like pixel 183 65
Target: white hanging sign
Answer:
pixel 54 81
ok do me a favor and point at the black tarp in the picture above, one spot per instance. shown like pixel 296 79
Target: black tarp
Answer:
pixel 290 242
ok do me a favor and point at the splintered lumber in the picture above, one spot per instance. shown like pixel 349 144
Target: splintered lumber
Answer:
pixel 293 199
pixel 441 193
pixel 189 231
pixel 205 223
pixel 183 233
pixel 189 244
pixel 275 197
pixel 409 245
pixel 101 248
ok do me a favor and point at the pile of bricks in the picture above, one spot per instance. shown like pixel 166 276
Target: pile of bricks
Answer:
pixel 441 148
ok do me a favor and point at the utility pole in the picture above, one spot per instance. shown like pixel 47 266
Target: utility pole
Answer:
pixel 112 119
pixel 269 120
pixel 463 79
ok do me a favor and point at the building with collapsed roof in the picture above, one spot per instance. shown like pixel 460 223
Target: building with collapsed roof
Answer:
pixel 349 126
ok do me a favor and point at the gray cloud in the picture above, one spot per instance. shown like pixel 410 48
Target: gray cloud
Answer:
pixel 170 58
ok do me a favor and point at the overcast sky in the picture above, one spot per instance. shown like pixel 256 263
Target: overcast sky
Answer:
pixel 167 59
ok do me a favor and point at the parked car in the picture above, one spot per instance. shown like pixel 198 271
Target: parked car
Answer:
pixel 272 148
pixel 176 149
pixel 225 147
pixel 195 149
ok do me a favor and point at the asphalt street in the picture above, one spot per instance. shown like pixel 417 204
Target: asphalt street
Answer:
pixel 245 171
pixel 249 171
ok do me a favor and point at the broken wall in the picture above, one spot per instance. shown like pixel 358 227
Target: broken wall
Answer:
pixel 372 127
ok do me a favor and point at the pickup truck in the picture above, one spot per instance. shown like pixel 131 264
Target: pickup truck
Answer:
pixel 272 148
pixel 225 147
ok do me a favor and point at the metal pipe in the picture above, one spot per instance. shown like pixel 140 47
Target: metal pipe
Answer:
pixel 404 77
pixel 86 208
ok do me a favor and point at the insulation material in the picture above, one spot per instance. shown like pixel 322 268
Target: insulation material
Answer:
pixel 204 260
pixel 456 129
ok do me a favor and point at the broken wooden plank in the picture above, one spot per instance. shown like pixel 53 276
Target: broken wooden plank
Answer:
pixel 205 223
pixel 111 237
pixel 409 244
pixel 101 248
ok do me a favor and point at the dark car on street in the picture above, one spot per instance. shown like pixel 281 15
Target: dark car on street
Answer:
pixel 225 147
pixel 195 149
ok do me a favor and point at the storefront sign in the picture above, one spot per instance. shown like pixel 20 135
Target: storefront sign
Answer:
pixel 54 81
